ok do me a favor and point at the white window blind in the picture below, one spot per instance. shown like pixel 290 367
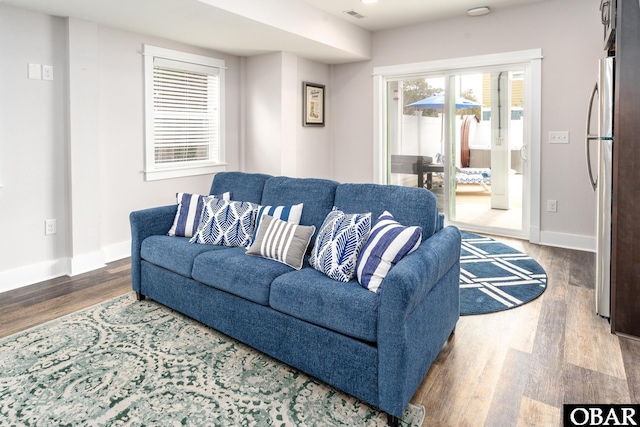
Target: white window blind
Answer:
pixel 184 125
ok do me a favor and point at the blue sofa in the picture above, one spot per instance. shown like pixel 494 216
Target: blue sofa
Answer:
pixel 376 347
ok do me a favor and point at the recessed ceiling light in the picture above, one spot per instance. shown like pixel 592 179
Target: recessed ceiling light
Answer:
pixel 478 11
pixel 369 1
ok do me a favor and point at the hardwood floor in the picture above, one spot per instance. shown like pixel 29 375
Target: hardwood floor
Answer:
pixel 26 307
pixel 512 368
pixel 518 367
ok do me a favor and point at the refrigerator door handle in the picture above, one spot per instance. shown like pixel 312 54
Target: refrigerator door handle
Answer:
pixel 589 138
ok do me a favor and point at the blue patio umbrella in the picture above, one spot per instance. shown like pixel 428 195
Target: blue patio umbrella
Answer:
pixel 436 102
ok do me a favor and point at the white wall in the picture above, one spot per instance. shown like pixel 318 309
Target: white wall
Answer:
pixel 570 36
pixel 315 150
pixel 121 132
pixel 33 161
pixel 276 141
pixel 264 113
pixel 41 132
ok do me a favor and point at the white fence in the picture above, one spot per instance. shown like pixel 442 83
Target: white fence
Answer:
pixel 430 142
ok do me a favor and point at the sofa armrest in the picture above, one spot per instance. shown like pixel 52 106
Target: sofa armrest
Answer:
pixel 145 223
pixel 418 309
pixel 416 274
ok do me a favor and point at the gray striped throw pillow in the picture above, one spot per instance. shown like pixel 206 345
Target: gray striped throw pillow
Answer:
pixel 282 241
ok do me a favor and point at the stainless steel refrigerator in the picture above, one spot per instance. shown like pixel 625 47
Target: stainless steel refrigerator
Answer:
pixel 599 148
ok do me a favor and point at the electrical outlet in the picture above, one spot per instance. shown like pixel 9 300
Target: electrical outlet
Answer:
pixel 47 72
pixel 50 227
pixel 559 137
pixel 552 206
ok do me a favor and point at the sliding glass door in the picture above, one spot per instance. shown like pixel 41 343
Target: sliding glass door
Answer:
pixel 461 136
pixel 415 137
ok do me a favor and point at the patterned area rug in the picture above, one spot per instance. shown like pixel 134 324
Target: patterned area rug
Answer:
pixel 130 363
pixel 496 277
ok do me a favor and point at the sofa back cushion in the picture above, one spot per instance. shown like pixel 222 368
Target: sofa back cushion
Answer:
pixel 244 187
pixel 316 194
pixel 409 206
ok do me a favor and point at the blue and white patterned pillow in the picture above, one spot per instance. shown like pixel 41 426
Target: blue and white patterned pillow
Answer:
pixel 187 219
pixel 338 243
pixel 290 214
pixel 387 244
pixel 226 223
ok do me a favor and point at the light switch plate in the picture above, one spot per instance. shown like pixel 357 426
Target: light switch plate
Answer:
pixel 559 137
pixel 35 71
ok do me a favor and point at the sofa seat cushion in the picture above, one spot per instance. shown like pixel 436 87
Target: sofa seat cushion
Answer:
pixel 174 253
pixel 309 295
pixel 240 274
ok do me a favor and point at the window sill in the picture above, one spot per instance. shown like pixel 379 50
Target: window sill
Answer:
pixel 158 174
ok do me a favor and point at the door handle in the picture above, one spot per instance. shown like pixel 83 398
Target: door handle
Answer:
pixel 588 138
pixel 604 12
pixel 524 152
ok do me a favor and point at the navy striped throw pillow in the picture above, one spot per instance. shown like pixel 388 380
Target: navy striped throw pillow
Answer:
pixel 185 224
pixel 388 243
pixel 290 214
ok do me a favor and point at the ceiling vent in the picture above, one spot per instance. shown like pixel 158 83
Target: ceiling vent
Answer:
pixel 354 14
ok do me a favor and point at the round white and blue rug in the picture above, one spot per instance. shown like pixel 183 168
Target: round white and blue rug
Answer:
pixel 495 276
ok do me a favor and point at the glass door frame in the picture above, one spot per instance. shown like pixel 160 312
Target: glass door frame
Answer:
pixel 530 61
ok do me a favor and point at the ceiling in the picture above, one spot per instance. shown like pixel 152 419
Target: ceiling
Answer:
pixel 315 29
pixel 388 14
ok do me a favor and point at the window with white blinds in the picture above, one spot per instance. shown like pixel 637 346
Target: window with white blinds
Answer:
pixel 184 106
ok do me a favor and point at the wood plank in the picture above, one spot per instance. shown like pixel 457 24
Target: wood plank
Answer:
pixel 458 392
pixel 505 405
pixel 588 342
pixel 536 414
pixel 526 324
pixel 586 386
pixel 40 303
pixel 580 274
pixel 544 383
pixel 630 349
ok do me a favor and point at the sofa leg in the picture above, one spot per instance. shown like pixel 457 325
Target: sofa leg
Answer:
pixel 139 296
pixel 452 335
pixel 393 421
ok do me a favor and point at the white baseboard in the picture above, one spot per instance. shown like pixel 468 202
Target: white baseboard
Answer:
pixel 117 251
pixel 568 241
pixel 85 263
pixel 35 273
pixel 534 235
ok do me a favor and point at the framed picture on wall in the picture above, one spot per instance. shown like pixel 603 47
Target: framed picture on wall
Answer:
pixel 313 104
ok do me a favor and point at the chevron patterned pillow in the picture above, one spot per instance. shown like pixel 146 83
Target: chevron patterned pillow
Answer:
pixel 338 243
pixel 226 223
